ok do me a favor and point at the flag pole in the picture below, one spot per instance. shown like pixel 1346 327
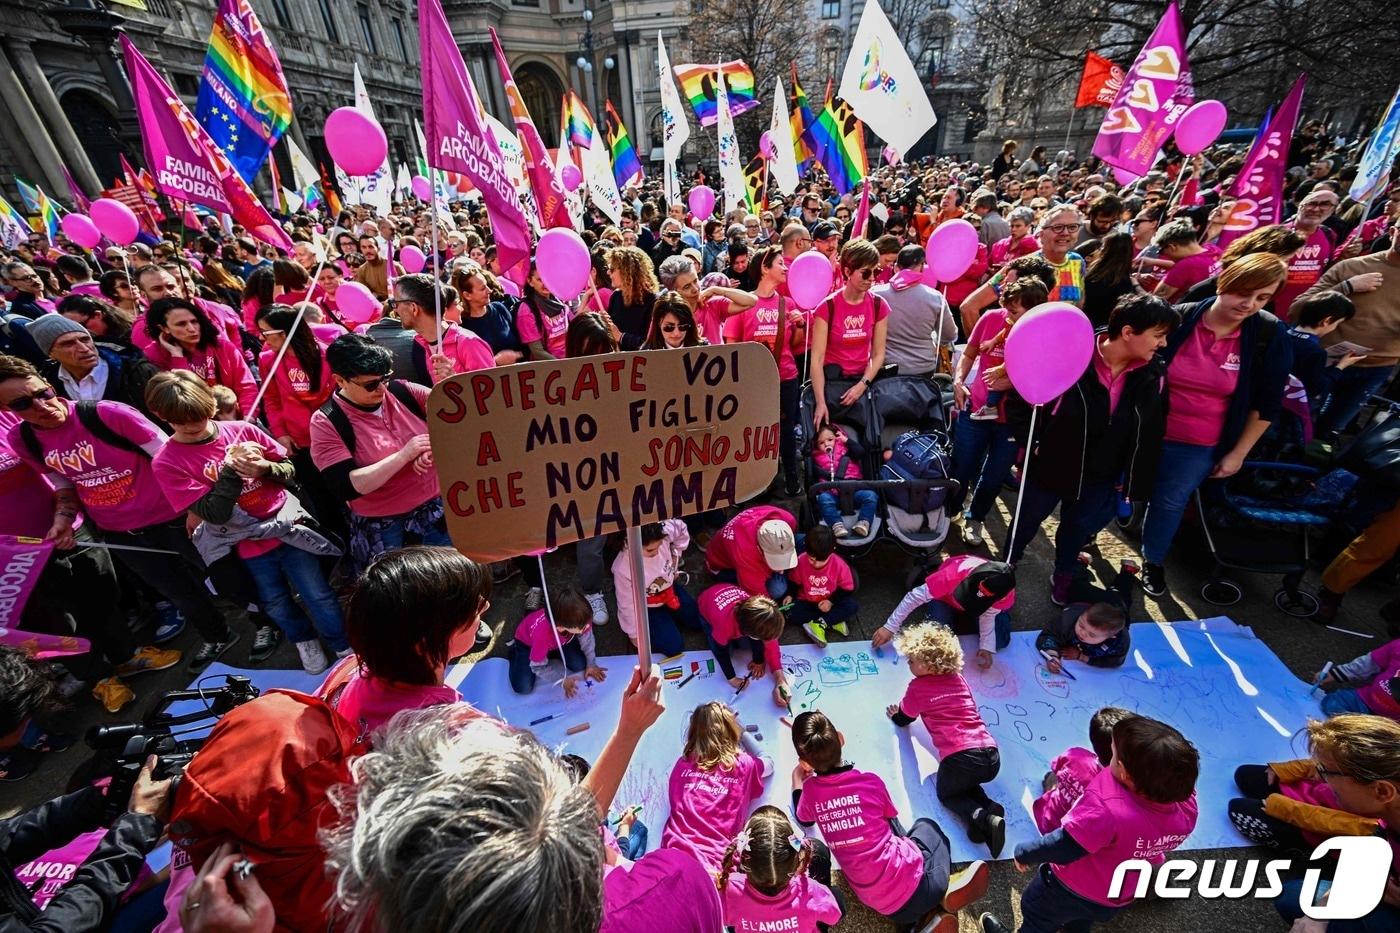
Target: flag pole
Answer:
pixel 437 270
pixel 1069 128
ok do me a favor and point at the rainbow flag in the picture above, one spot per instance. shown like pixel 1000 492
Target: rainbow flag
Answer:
pixel 13 229
pixel 38 203
pixel 579 121
pixel 698 86
pixel 756 183
pixel 840 139
pixel 800 116
pixel 627 168
pixel 243 100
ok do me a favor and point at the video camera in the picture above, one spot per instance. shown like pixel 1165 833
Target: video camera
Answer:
pixel 124 747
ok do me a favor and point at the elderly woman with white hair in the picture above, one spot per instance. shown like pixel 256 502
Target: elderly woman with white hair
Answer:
pixel 710 305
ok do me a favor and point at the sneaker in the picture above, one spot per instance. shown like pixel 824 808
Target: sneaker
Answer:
pixel 265 642
pixel 994 829
pixel 18 763
pixel 599 607
pixel 816 631
pixel 313 659
pixel 966 886
pixel 792 488
pixel 1154 579
pixel 171 623
pixel 937 922
pixel 985 413
pixel 211 651
pixel 1328 603
pixel 344 653
pixel 70 686
pixel 990 924
pixel 38 739
pixel 1060 582
pixel 147 659
pixel 534 599
pixel 972 533
pixel 839 531
pixel 482 641
pixel 841 629
pixel 1129 566
pixel 113 694
pixel 861 530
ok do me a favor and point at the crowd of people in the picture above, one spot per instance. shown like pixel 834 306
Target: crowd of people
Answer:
pixel 210 441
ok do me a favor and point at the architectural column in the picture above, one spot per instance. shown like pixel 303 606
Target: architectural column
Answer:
pixel 31 130
pixel 97 28
pixel 24 156
pixel 631 102
pixel 41 93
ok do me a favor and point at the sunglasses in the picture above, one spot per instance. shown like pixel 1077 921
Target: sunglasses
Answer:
pixel 673 328
pixel 670 236
pixel 26 402
pixel 372 385
pixel 270 333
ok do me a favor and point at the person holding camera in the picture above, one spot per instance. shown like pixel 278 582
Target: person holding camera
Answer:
pixel 89 900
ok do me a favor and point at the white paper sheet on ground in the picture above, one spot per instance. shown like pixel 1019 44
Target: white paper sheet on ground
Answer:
pixel 1213 680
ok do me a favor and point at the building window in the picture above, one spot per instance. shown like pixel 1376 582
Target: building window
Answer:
pixel 931 60
pixel 831 9
pixel 186 85
pixel 328 18
pixel 831 51
pixel 367 29
pixel 525 2
pixel 282 14
pixel 398 38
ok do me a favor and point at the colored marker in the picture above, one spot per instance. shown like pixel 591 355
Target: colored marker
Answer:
pixel 1347 631
pixel 1322 675
pixel 1055 657
pixel 536 722
pixel 688 679
pixel 740 688
pixel 635 809
pixel 787 698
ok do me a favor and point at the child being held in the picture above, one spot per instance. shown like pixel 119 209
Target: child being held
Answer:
pixel 729 614
pixel 629 839
pixel 836 458
pixel 967 754
pixel 825 588
pixel 1093 627
pixel 987 346
pixel 1367 684
pixel 713 785
pixel 783 880
pixel 571 636
pixel 903 875
pixel 1070 773
pixel 1142 806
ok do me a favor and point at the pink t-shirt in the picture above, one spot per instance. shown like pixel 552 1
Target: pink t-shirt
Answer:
pixel 1379 694
pixel 663 890
pixel 1107 379
pixel 851 330
pixel 853 809
pixel 708 808
pixel 535 633
pixel 26 498
pixel 945 704
pixel 467 351
pixel 378 434
pixel 815 584
pixel 51 872
pixel 1073 771
pixel 983 335
pixel 719 606
pixel 1197 268
pixel 798 908
pixel 1200 381
pixel 1113 824
pixel 760 323
pixel 188 471
pixel 372 701
pixel 943 581
pixel 1304 269
pixel 118 488
pixel 735 546
pixel 555 329
pixel 710 318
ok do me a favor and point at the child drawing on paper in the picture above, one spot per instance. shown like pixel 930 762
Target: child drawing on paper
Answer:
pixel 774 878
pixel 731 616
pixel 1072 771
pixel 1368 684
pixel 568 637
pixel 626 834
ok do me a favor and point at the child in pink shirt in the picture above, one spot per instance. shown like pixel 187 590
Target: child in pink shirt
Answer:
pixel 712 785
pixel 967 754
pixel 824 588
pixel 729 615
pixel 783 880
pixel 836 453
pixel 1071 772
pixel 569 635
pixel 1368 684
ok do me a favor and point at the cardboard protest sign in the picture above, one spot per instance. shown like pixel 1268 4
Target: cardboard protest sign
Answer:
pixel 542 454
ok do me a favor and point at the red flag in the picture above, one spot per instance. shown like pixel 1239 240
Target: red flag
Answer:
pixel 1099 83
pixel 862 212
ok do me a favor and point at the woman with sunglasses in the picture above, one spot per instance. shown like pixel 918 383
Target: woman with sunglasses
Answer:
pixel 710 306
pixel 672 325
pixel 105 321
pixel 115 286
pixel 848 331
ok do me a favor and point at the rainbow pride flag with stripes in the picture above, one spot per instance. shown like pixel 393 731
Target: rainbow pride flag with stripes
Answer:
pixel 627 168
pixel 38 203
pixel 840 139
pixel 801 119
pixel 698 86
pixel 243 101
pixel 578 121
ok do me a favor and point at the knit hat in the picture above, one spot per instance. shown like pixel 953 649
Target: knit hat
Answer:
pixel 47 328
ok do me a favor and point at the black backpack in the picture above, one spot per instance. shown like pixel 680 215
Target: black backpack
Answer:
pixel 338 419
pixel 90 419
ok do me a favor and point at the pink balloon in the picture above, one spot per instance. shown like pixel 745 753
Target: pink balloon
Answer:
pixel 1047 351
pixel 356 303
pixel 809 279
pixel 1200 126
pixel 571 177
pixel 765 144
pixel 1123 177
pixel 951 249
pixel 115 220
pixel 701 200
pixel 563 262
pixel 412 259
pixel 355 141
pixel 81 230
pixel 422 188
pixel 320 228
pixel 930 277
pixel 509 287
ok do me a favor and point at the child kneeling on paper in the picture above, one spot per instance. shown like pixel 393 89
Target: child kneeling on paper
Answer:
pixel 824 587
pixel 729 614
pixel 669 607
pixel 1142 806
pixel 906 876
pixel 969 594
pixel 1070 773
pixel 774 878
pixel 967 754
pixel 1367 684
pixel 571 636
pixel 834 460
pixel 1093 627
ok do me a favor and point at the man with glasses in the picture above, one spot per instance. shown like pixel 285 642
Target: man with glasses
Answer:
pixel 1307 265
pixel 1059 229
pixel 752 229
pixel 81 369
pixel 437 356
pixel 811 210
pixel 28 298
pixel 669 243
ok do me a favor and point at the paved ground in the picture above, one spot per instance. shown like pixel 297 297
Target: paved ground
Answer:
pixel 1301 644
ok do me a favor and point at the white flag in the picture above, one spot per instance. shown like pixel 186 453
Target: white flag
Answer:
pixel 292 200
pixel 602 187
pixel 731 168
pixel 1374 170
pixel 565 156
pixel 403 182
pixel 513 160
pixel 782 168
pixel 676 131
pixel 12 230
pixel 882 86
pixel 303 172
pixel 375 189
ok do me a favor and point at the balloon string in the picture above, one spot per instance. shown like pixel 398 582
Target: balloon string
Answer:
pixel 1025 478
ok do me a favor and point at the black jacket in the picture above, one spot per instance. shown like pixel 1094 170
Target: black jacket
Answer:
pixel 87 902
pixel 1077 443
pixel 128 371
pixel 1058 634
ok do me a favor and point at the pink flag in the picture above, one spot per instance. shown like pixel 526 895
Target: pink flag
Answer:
pixel 80 200
pixel 1258 188
pixel 459 139
pixel 862 212
pixel 549 190
pixel 1191 193
pixel 186 163
pixel 22 561
pixel 1154 95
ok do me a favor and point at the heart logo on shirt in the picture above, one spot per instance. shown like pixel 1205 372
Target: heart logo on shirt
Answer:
pixel 72 461
pixel 86 453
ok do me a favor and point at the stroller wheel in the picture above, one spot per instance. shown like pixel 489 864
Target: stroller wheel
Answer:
pixel 1133 520
pixel 1299 603
pixel 1221 592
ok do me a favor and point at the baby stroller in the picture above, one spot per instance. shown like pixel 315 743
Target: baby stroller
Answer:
pixel 858 423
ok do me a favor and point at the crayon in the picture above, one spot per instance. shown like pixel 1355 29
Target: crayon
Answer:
pixel 1322 675
pixel 688 679
pixel 575 730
